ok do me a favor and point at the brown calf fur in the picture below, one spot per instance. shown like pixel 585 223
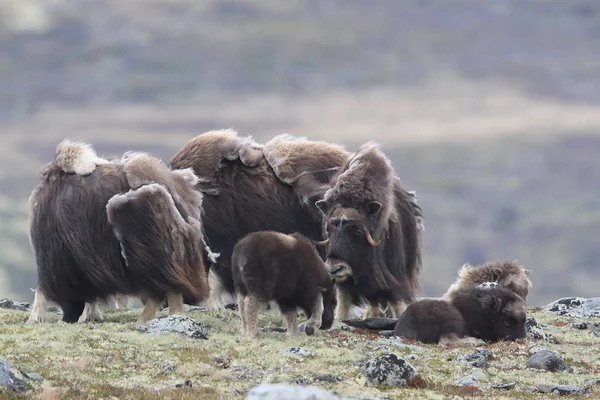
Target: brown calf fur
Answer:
pixel 271 266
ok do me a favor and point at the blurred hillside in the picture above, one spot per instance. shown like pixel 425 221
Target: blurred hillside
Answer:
pixel 489 110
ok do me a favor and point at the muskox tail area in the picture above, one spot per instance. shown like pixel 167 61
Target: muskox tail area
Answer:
pixel 162 251
pixel 77 158
pixel 410 218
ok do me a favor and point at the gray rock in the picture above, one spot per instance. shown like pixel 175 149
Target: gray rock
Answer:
pixel 388 370
pixel 575 307
pixel 536 331
pixel 174 324
pixel 561 389
pixel 327 378
pixel 299 381
pixel 14 305
pixel 469 380
pixel 592 382
pixel 579 325
pixel 286 392
pixel 547 360
pixel 384 343
pixel 368 397
pixel 15 380
pixel 596 332
pixel 536 349
pixel 477 359
pixel 298 351
pixel 386 333
pixel 188 308
pixel 503 385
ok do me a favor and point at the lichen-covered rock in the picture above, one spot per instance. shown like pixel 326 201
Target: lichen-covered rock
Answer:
pixel 298 351
pixel 575 307
pixel 477 359
pixel 14 380
pixel 536 331
pixel 388 370
pixel 174 324
pixel 14 305
pixel 469 380
pixel 561 389
pixel 503 385
pixel 287 392
pixel 327 378
pixel 547 360
pixel 387 343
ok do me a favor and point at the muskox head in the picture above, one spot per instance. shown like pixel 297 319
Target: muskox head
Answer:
pixel 357 211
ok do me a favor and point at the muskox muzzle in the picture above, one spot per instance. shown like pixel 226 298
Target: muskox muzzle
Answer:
pixel 338 270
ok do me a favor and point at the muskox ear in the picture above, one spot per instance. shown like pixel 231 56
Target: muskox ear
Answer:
pixel 322 205
pixel 496 272
pixel 373 207
pixel 527 272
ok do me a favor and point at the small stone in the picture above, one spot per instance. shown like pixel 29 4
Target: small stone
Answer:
pixel 168 369
pixel 596 332
pixel 504 385
pixel 388 370
pixel 188 308
pixel 298 351
pixel 14 305
pixel 180 324
pixel 536 331
pixel 221 362
pixel 187 383
pixel 592 382
pixel 477 374
pixel 580 325
pixel 546 360
pixel 536 349
pixel 397 342
pixel 561 389
pixel 231 306
pixel 286 392
pixel 327 378
pixel 386 333
pixel 478 359
pixel 299 381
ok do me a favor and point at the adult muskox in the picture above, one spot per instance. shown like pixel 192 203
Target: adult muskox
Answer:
pixel 373 247
pixel 250 187
pixel 129 226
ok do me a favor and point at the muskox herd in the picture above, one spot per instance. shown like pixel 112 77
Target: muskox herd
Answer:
pixel 304 224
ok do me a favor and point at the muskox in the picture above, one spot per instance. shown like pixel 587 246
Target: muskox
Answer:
pixel 249 187
pixel 470 315
pixel 100 228
pixel 271 266
pixel 506 273
pixel 373 245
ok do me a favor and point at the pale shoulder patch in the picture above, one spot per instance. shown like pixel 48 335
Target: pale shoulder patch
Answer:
pixel 77 157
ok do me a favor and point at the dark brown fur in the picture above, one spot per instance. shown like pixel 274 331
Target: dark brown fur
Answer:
pixel 271 266
pixel 367 199
pixel 77 253
pixel 506 273
pixel 491 314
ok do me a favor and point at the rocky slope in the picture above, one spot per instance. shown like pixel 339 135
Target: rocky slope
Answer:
pixel 202 356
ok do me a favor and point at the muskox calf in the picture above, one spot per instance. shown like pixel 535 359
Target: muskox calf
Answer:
pixel 470 315
pixel 272 266
pixel 508 274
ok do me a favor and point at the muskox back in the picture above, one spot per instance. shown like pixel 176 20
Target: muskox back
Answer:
pixel 429 321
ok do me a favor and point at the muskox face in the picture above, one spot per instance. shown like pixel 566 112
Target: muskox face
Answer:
pixel 350 242
pixel 509 321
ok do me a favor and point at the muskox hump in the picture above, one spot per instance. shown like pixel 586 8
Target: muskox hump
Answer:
pixel 77 158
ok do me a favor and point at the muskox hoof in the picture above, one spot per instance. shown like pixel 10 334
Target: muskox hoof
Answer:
pixel 309 330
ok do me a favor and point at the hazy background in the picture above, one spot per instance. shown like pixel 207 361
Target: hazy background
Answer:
pixel 490 110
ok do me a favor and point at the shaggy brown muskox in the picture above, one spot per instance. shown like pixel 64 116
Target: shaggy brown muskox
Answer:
pixel 373 248
pixel 507 273
pixel 83 257
pixel 271 266
pixel 249 187
pixel 488 314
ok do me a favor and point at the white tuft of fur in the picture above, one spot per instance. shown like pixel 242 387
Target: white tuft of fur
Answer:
pixel 487 285
pixel 39 308
pixel 218 297
pixel 77 157
pixel 91 313
pixel 187 175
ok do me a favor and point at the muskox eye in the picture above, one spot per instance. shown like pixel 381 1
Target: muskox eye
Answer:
pixel 507 323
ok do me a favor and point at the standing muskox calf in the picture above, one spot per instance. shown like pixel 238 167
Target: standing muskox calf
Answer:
pixel 271 266
pixel 490 314
pixel 373 249
pixel 129 226
pixel 507 273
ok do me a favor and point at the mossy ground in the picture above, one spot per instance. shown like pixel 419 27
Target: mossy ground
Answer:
pixel 112 360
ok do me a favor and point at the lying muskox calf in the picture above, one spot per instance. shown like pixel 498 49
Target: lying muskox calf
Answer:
pixel 490 314
pixel 508 274
pixel 272 266
pixel 100 228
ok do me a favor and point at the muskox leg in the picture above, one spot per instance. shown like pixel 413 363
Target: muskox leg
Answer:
pixel 372 311
pixel 39 310
pixel 72 311
pixel 291 317
pixel 241 300
pixel 397 307
pixel 217 293
pixel 344 302
pixel 251 305
pixel 175 303
pixel 150 309
pixel 316 315
pixel 91 312
pixel 122 301
pixel 454 340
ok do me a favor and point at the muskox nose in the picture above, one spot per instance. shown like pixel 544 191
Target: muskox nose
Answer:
pixel 339 222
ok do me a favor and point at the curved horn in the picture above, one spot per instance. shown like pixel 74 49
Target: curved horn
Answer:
pixel 322 243
pixel 370 239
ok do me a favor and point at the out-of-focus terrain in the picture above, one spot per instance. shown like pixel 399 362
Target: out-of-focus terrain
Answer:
pixel 489 110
